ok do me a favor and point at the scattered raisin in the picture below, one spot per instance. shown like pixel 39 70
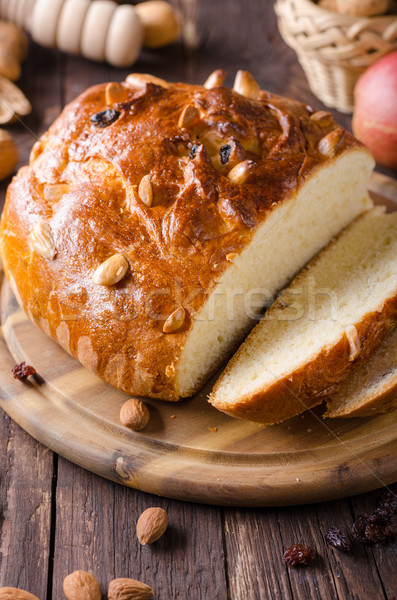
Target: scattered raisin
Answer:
pixel 105 117
pixel 224 153
pixel 193 151
pixel 358 528
pixel 22 370
pixel 299 555
pixel 339 540
pixel 380 533
pixel 376 528
pixel 380 516
pixel 388 501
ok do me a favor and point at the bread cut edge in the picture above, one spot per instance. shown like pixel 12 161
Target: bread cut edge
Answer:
pixel 295 393
pixel 295 234
pixel 370 389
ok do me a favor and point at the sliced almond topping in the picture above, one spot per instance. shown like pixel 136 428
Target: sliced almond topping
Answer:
pixel 54 191
pixel 111 271
pixel 240 173
pixel 169 370
pixel 41 240
pixel 175 320
pixel 231 256
pixel 246 85
pixel 145 191
pixel 216 79
pixel 139 81
pixel 329 144
pixel 354 341
pixel 13 103
pixel 36 150
pixel 189 116
pixel 115 93
pixel 322 118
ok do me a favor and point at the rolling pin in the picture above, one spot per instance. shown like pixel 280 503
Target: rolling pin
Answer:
pixel 100 30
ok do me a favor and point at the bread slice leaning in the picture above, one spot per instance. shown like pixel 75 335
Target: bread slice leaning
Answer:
pixel 334 315
pixel 372 388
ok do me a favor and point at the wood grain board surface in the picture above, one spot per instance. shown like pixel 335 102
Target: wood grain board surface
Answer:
pixel 56 517
pixel 189 450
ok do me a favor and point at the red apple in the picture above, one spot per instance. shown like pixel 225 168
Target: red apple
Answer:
pixel 375 110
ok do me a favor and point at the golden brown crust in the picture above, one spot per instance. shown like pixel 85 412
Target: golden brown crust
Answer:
pixel 176 247
pixel 315 381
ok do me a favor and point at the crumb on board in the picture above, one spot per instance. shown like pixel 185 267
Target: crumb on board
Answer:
pixel 213 429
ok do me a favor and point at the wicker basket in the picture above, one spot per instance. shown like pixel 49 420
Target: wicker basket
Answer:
pixel 334 49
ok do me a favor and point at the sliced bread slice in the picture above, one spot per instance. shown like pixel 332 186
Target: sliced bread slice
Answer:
pixel 371 388
pixel 334 314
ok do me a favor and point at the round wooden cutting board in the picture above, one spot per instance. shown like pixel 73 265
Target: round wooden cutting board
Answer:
pixel 189 450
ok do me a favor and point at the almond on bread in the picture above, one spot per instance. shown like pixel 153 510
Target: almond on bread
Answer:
pixel 333 316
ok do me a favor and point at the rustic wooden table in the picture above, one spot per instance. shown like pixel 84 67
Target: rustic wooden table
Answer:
pixel 56 517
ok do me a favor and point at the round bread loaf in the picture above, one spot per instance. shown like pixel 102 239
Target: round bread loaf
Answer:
pixel 145 199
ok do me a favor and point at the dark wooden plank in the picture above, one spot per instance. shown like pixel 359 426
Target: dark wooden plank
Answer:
pixel 25 509
pixel 95 531
pixel 254 551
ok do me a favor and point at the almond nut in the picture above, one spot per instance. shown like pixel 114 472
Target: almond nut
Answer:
pixel 129 589
pixel 330 143
pixel 8 154
pixel 189 117
pixel 139 80
pixel 322 118
pixel 151 525
pixel 354 341
pixel 134 414
pixel 216 79
pixel 53 192
pixel 246 85
pixel 145 191
pixel 41 240
pixel 111 271
pixel 13 102
pixel 81 586
pixel 10 593
pixel 240 173
pixel 175 320
pixel 115 93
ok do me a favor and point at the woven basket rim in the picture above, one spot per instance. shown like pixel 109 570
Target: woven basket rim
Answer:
pixel 346 19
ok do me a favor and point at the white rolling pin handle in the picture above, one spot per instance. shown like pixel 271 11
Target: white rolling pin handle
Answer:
pixel 98 29
pixel 125 37
pixel 70 25
pixel 44 23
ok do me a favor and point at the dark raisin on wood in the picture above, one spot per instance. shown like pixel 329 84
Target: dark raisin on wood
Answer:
pixel 376 534
pixel 193 151
pixel 105 117
pixel 358 528
pixel 338 539
pixel 224 153
pixel 388 501
pixel 299 555
pixel 21 371
pixel 381 516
